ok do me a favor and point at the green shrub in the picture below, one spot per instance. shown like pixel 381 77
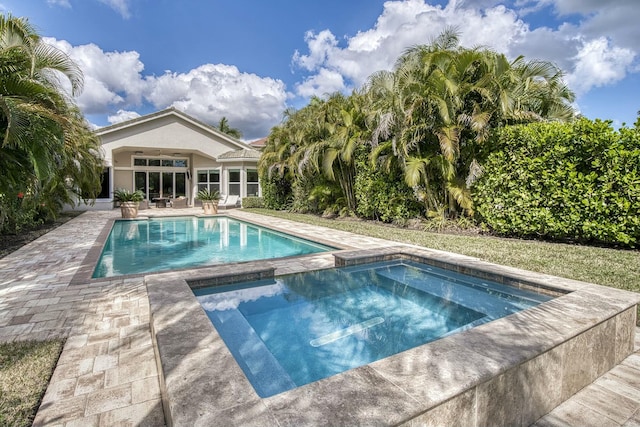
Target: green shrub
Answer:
pixel 206 195
pixel 578 181
pixel 384 196
pixel 276 192
pixel 253 202
pixel 124 195
pixel 19 212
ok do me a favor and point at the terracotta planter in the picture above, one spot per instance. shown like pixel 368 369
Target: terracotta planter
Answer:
pixel 129 209
pixel 210 207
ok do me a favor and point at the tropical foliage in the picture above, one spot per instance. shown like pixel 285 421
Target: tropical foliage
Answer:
pixel 224 127
pixel 410 141
pixel 577 181
pixel 435 111
pixel 48 153
pixel 124 195
pixel 208 196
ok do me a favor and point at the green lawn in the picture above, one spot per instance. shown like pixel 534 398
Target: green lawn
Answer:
pixel 25 370
pixel 609 267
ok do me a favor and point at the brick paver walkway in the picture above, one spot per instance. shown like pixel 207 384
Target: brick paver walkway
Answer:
pixel 107 374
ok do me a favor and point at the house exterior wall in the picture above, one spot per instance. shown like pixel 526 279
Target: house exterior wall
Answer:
pixel 122 179
pixel 169 135
pixel 165 135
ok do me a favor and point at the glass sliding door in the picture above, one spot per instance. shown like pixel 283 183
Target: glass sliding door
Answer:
pixel 181 184
pixel 141 183
pixel 167 184
pixel 154 185
pixel 161 177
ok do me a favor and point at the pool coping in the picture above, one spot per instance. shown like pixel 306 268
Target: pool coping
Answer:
pixel 84 273
pixel 509 371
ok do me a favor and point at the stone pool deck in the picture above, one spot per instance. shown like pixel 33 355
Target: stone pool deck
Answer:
pixel 107 373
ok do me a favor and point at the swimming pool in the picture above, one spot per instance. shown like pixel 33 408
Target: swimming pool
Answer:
pixel 163 244
pixel 300 328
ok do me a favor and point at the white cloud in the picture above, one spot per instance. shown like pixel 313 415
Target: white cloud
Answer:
pixel 114 81
pixel 111 78
pixel 320 47
pixel 62 3
pixel 324 82
pixel 577 48
pixel 120 6
pixel 401 25
pixel 598 63
pixel 251 103
pixel 122 116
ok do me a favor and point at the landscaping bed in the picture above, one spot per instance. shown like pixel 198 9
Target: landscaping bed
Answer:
pixel 13 242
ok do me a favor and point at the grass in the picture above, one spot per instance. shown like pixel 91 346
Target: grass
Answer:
pixel 609 267
pixel 25 371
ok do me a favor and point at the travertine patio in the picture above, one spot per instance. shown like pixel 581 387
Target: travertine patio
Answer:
pixel 107 373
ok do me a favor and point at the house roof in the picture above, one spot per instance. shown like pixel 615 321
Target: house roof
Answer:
pixel 175 112
pixel 239 155
pixel 259 143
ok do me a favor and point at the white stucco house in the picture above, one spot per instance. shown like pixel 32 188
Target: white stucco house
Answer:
pixel 169 154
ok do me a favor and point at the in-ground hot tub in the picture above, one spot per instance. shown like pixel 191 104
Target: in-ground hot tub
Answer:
pixel 510 371
pixel 296 329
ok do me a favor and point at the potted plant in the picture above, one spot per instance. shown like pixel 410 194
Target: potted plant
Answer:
pixel 129 201
pixel 209 201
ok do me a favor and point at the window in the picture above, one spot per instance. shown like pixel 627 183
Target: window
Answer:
pixel 253 186
pixel 165 163
pixel 234 182
pixel 209 180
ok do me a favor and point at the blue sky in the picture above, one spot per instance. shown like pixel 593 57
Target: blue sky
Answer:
pixel 248 60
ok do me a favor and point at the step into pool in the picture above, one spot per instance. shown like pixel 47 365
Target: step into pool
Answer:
pixel 300 328
pixel 165 244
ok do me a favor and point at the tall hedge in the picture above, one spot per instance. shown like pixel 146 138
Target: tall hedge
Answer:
pixel 276 192
pixel 578 181
pixel 384 196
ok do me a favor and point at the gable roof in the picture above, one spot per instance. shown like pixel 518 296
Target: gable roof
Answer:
pixel 172 111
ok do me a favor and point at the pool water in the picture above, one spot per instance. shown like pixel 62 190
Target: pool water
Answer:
pixel 164 244
pixel 304 327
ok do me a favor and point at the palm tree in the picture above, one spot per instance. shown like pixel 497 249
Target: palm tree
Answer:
pixel 437 108
pixel 224 127
pixel 47 149
pixel 341 130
